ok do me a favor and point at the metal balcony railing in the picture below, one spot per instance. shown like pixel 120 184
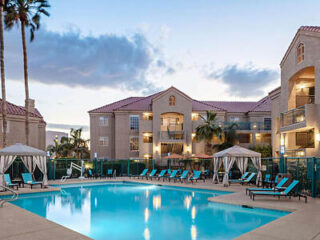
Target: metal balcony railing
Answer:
pixel 248 125
pixel 172 127
pixel 171 135
pixel 293 116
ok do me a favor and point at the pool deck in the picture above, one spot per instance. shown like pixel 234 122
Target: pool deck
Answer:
pixel 302 223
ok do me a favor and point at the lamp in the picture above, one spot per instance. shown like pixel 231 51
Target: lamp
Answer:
pixel 156 148
pixel 318 137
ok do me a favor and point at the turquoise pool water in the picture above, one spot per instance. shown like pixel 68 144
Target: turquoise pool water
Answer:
pixel 140 211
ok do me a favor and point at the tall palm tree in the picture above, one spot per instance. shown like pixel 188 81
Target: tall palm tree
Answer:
pixel 229 137
pixel 80 145
pixel 3 82
pixel 28 13
pixel 207 130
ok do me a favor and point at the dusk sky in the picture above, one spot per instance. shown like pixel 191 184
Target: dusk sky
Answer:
pixel 90 53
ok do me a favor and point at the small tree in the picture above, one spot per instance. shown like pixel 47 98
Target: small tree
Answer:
pixel 229 137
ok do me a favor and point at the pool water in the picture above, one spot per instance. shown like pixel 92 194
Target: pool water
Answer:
pixel 141 211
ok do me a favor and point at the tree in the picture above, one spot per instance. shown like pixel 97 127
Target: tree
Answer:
pixel 28 13
pixel 73 146
pixel 207 130
pixel 229 137
pixel 3 82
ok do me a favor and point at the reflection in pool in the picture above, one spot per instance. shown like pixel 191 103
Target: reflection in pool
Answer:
pixel 137 211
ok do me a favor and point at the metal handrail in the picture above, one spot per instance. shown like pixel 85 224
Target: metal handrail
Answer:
pixel 14 196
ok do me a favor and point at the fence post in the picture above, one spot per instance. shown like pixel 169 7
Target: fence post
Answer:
pixel 128 170
pixel 281 164
pixel 54 169
pixel 152 163
pixel 314 186
pixel 101 168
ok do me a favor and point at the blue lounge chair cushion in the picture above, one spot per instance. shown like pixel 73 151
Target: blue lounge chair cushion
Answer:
pixel 284 193
pixel 27 179
pixel 279 185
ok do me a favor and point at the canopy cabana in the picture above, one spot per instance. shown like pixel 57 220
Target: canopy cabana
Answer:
pixel 238 155
pixel 31 157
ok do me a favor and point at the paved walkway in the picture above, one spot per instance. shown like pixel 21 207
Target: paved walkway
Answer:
pixel 302 224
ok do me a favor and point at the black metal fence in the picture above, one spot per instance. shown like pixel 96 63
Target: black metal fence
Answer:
pixel 304 169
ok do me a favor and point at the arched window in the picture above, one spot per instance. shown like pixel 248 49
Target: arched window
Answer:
pixel 300 53
pixel 172 101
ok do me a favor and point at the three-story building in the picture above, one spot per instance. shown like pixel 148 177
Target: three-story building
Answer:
pixel 165 122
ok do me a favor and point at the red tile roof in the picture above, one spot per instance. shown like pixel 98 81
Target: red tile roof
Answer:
pixel 145 104
pixel 13 109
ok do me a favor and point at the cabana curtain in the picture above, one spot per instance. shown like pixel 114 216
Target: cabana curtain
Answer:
pixel 216 165
pixel 242 163
pixel 227 163
pixel 257 163
pixel 5 163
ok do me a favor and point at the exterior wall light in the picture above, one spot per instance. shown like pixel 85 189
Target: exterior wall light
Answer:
pixel 188 148
pixel 156 148
pixel 318 137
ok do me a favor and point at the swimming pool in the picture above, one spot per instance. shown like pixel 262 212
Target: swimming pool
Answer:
pixel 139 211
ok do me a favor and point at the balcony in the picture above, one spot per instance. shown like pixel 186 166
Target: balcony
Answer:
pixel 293 116
pixel 172 136
pixel 299 118
pixel 252 126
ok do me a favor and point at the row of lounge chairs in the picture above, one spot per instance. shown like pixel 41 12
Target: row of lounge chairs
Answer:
pixel 169 175
pixel 26 178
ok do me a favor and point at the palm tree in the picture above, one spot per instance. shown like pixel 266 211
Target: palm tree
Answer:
pixel 3 82
pixel 80 145
pixel 207 130
pixel 229 137
pixel 28 13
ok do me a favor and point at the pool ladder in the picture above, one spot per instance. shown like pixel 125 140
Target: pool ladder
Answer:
pixel 13 197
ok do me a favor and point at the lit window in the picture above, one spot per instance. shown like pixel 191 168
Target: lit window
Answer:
pixel 103 121
pixel 134 122
pixel 104 141
pixel 172 101
pixel 195 116
pixel 147 138
pixel 134 143
pixel 300 52
pixel 147 116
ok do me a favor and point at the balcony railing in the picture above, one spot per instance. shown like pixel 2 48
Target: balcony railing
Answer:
pixel 293 116
pixel 248 125
pixel 304 99
pixel 171 135
pixel 172 127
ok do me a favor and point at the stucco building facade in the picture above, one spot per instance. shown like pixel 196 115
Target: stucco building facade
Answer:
pixel 165 122
pixel 296 103
pixel 16 126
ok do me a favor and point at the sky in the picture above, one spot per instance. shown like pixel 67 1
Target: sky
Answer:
pixel 91 53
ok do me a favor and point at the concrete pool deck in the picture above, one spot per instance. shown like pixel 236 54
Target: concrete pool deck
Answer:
pixel 302 223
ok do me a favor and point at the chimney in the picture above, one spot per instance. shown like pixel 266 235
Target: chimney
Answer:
pixel 31 105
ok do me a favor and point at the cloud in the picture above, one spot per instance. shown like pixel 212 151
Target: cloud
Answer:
pixel 245 81
pixel 92 62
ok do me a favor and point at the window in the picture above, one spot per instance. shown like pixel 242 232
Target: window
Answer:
pixel 104 141
pixel 194 116
pixel 147 116
pixel 305 139
pixel 300 53
pixel 8 126
pixel 134 122
pixel 172 101
pixel 244 138
pixel 147 137
pixel 103 121
pixel 234 119
pixel 134 143
pixel 267 123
